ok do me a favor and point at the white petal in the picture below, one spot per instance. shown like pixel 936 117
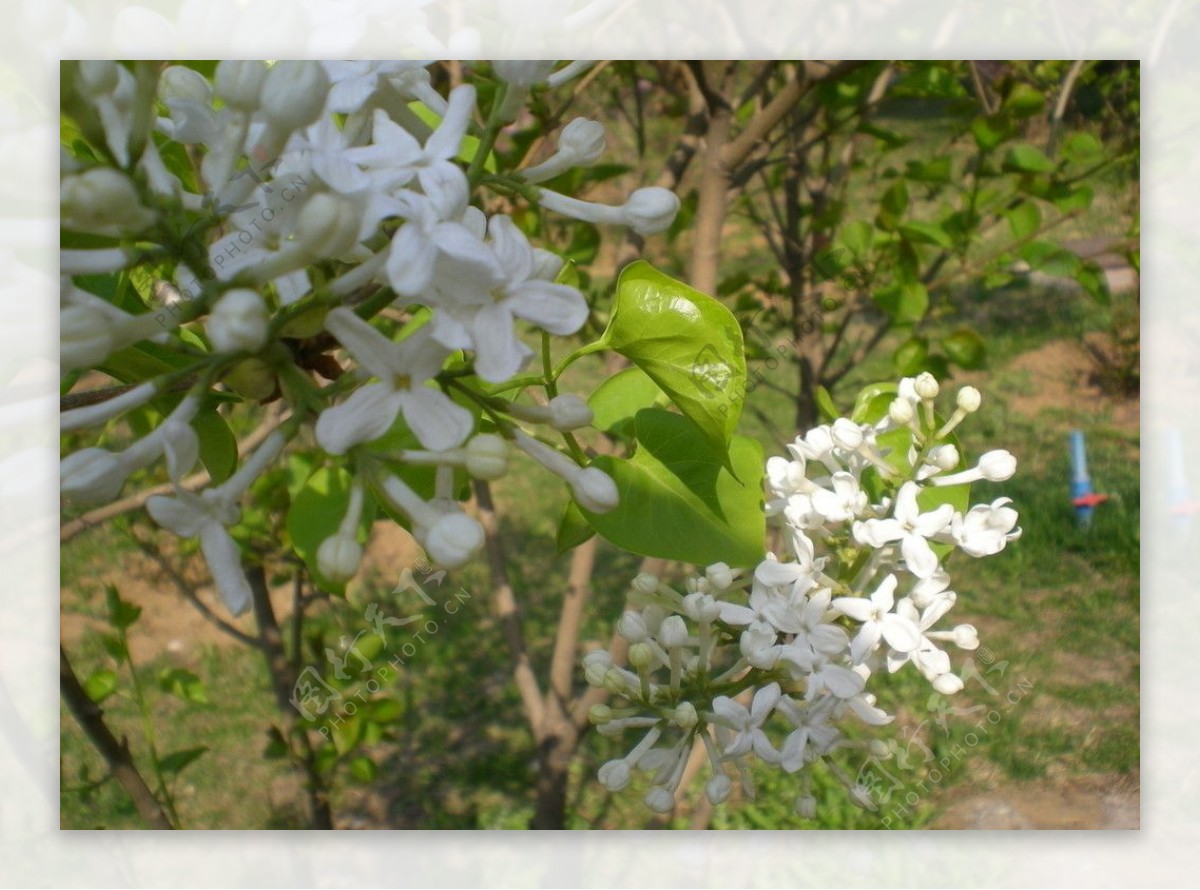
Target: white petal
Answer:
pixel 842 682
pixel 185 514
pixel 900 633
pixel 436 421
pixel 918 556
pixel 225 564
pixel 365 416
pixel 410 262
pixel 370 348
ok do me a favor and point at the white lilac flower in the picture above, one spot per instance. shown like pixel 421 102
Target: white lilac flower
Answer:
pixel 931 661
pixel 592 488
pixel 434 257
pixel 994 466
pixel 354 83
pixel 985 528
pixel 911 528
pixel 813 736
pixel 844 502
pixel 449 536
pixel 580 144
pixel 402 369
pixel 206 516
pixel 483 319
pixel 647 210
pixel 878 621
pixel 394 158
pixel 747 723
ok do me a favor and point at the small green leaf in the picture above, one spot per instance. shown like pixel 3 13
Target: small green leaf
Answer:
pixel 909 358
pixel 1024 101
pixel 905 303
pixel 892 205
pixel 688 343
pixel 363 769
pixel 121 613
pixel 828 409
pixel 574 528
pixel 1024 220
pixel 316 513
pixel 1047 257
pixel 100 685
pixel 1093 280
pixel 989 132
pixel 115 648
pixel 857 237
pixel 1069 200
pixel 182 684
pixel 1027 159
pixel 1082 148
pixel 177 761
pixel 619 398
pixel 677 499
pixel 218 445
pixel 965 348
pixel 927 233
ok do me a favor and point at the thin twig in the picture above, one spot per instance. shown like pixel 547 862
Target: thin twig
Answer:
pixel 90 717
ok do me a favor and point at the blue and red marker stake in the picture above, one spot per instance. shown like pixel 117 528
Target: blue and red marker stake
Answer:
pixel 1082 494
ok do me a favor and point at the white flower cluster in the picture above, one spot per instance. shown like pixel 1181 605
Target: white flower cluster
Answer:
pixel 334 167
pixel 768 660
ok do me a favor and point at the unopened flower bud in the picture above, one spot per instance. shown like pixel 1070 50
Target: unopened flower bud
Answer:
pixel 523 73
pixel 97 77
pixel 598 715
pixel 338 558
pixel 997 466
pixel 879 749
pixel 595 666
pixel 944 457
pixel 595 490
pixel 614 682
pixel 583 140
pixel 947 684
pixel 969 399
pixel 328 225
pixel 104 201
pixel 487 456
pixel 685 716
pixel 614 775
pixel 860 795
pixel 901 411
pixel 91 476
pixel 240 83
pixel 806 806
pixel 569 412
pixel 718 788
pixel 85 337
pixel 453 540
pixel 966 637
pixel 926 386
pixel 701 607
pixel 673 632
pixel 660 800
pixel 632 627
pixel 293 94
pixel 181 82
pixel 650 210
pixel 720 576
pixel 641 656
pixel 238 322
pixel 645 582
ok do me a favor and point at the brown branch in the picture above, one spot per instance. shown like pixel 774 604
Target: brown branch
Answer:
pixel 95 396
pixel 90 717
pixel 566 640
pixel 507 610
pixel 713 199
pixel 283 680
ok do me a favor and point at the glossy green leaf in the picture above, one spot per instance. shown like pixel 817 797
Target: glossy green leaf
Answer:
pixel 574 528
pixel 218 445
pixel 619 398
pixel 828 409
pixel 100 685
pixel 1027 159
pixel 965 348
pixel 989 132
pixel 677 500
pixel 1082 148
pixel 857 237
pixel 688 343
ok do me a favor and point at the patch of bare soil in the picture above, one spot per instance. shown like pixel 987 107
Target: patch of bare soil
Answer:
pixel 1063 373
pixel 1081 802
pixel 170 623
